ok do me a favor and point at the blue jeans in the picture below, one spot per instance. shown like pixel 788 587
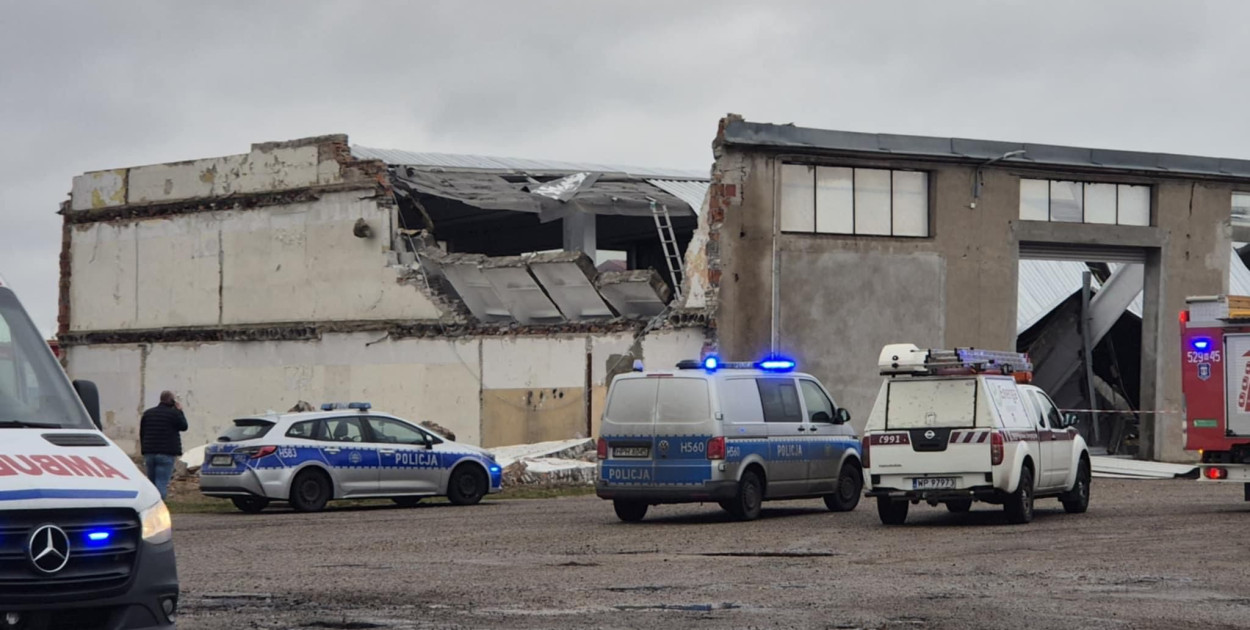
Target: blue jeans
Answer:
pixel 160 471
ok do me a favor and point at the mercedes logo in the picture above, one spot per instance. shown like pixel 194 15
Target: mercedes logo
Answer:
pixel 929 435
pixel 48 549
pixel 663 447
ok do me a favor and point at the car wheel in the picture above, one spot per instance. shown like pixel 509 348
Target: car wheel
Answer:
pixel 850 484
pixel 467 485
pixel 406 501
pixel 959 506
pixel 630 511
pixel 311 491
pixel 746 505
pixel 250 505
pixel 1019 505
pixel 891 512
pixel 1076 500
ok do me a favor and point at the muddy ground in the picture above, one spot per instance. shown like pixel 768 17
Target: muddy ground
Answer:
pixel 1148 554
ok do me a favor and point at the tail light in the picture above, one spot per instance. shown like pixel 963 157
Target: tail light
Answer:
pixel 996 448
pixel 1215 472
pixel 601 449
pixel 863 451
pixel 257 452
pixel 716 448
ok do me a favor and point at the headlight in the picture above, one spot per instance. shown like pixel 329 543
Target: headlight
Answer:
pixel 157 525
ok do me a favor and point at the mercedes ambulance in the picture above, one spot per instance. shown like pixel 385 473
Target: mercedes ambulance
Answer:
pixel 737 434
pixel 85 540
pixel 957 426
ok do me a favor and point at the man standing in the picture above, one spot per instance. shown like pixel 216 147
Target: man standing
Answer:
pixel 158 438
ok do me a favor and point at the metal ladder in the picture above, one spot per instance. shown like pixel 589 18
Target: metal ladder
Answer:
pixel 668 240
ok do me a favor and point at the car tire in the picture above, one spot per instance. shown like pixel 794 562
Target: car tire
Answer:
pixel 467 485
pixel 310 491
pixel 850 485
pixel 1076 500
pixel 746 505
pixel 1019 504
pixel 250 505
pixel 406 501
pixel 892 512
pixel 630 511
pixel 959 506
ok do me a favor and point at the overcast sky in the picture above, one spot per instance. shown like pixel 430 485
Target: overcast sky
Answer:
pixel 88 86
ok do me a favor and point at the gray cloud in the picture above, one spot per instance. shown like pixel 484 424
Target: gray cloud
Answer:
pixel 92 86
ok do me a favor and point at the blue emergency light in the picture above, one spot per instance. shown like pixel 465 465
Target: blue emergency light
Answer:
pixel 362 406
pixel 711 363
pixel 1202 344
pixel 99 536
pixel 776 365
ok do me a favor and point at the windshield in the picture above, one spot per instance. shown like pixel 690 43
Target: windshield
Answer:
pixel 246 429
pixel 33 388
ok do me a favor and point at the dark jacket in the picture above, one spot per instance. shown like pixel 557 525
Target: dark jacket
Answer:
pixel 159 428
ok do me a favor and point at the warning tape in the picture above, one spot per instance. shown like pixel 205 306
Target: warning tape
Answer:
pixel 1118 411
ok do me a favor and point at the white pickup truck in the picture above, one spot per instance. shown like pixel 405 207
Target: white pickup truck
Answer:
pixel 957 426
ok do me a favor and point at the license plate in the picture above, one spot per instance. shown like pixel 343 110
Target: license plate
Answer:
pixel 631 451
pixel 224 461
pixel 933 483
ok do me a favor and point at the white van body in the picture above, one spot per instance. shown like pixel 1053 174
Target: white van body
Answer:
pixel 694 435
pixel 973 436
pixel 85 540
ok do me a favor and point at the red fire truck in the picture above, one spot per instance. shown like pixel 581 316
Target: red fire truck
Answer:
pixel 1215 379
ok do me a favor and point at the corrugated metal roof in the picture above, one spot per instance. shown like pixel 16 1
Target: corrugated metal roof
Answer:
pixel 691 192
pixel 485 162
pixel 1042 285
pixel 792 137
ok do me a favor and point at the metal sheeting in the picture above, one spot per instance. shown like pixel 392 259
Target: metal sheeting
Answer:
pixel 483 162
pixel 1082 253
pixel 1042 285
pixel 692 192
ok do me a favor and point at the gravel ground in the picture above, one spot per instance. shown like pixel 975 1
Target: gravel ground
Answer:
pixel 1148 554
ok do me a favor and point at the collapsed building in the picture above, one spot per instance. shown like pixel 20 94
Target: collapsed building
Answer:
pixel 459 289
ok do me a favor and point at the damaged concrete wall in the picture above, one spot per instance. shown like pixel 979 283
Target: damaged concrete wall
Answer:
pixel 488 390
pixel 277 264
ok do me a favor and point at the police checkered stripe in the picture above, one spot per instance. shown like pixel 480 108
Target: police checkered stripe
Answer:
pixel 969 437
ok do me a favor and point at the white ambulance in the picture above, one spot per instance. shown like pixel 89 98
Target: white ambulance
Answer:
pixel 957 426
pixel 85 539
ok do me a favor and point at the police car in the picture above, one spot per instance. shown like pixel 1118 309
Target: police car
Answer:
pixel 964 425
pixel 345 451
pixel 734 433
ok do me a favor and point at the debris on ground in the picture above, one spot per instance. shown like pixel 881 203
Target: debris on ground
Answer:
pixel 548 464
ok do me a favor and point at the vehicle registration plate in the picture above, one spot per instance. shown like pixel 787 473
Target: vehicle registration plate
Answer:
pixel 224 461
pixel 933 483
pixel 631 451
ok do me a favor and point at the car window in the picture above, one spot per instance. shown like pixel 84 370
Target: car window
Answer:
pixel 1052 412
pixel 817 402
pixel 1043 407
pixel 344 430
pixel 683 400
pixel 632 400
pixel 246 429
pixel 390 431
pixel 740 400
pixel 306 430
pixel 780 400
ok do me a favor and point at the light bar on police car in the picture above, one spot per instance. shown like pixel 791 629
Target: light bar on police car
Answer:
pixel 362 406
pixel 712 363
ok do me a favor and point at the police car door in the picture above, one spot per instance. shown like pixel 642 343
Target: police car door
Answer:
pixel 409 464
pixel 353 461
pixel 787 431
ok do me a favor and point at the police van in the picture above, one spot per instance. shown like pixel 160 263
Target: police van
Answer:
pixel 85 540
pixel 956 426
pixel 734 433
pixel 344 451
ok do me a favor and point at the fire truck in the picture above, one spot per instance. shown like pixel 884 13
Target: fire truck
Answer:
pixel 1215 380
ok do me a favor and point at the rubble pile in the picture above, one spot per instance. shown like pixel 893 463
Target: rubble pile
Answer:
pixel 548 464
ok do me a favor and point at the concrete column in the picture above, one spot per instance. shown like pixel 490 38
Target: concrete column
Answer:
pixel 1152 395
pixel 579 233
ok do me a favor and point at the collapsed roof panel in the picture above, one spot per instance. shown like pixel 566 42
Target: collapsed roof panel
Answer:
pixel 520 292
pixel 568 278
pixel 464 272
pixel 638 294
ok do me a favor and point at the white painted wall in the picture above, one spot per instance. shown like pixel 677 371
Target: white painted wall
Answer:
pixel 420 379
pixel 293 263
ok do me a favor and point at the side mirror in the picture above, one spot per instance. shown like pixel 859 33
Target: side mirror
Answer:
pixel 90 397
pixel 821 416
pixel 1069 420
pixel 844 416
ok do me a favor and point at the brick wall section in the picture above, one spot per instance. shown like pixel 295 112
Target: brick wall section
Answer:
pixel 724 193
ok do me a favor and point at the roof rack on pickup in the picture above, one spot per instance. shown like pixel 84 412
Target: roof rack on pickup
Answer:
pixel 906 358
